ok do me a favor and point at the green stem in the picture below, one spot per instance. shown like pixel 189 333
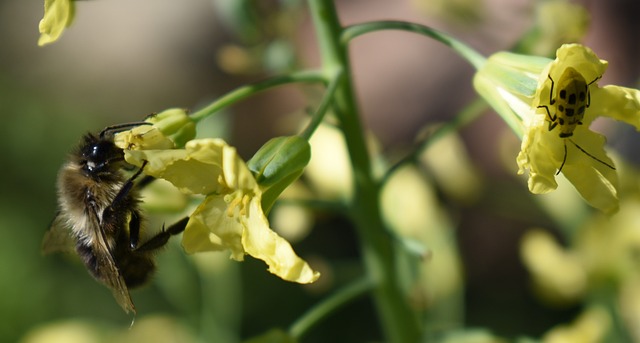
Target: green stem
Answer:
pixel 327 100
pixel 305 76
pixel 472 56
pixel 466 116
pixel 399 322
pixel 321 311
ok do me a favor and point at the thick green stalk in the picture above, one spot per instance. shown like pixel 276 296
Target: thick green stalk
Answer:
pixel 399 321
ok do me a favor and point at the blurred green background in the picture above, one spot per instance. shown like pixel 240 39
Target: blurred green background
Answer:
pixel 124 59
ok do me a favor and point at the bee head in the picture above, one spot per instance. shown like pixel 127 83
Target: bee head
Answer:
pixel 99 155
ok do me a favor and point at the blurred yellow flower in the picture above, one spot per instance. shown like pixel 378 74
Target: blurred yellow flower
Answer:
pixel 551 105
pixel 557 273
pixel 608 246
pixel 410 208
pixel 58 15
pixel 590 327
pixel 231 216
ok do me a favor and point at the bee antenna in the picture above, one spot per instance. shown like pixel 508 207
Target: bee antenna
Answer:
pixel 121 127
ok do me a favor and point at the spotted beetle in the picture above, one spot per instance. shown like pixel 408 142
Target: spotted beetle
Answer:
pixel 570 103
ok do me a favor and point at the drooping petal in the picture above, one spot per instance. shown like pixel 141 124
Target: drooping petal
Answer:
pixel 211 228
pixel 264 244
pixel 236 174
pixel 596 181
pixel 541 153
pixel 195 169
pixel 176 166
pixel 619 103
pixel 58 15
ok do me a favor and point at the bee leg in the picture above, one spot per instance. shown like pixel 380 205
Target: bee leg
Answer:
pixel 145 181
pixel 126 188
pixel 134 229
pixel 119 204
pixel 162 238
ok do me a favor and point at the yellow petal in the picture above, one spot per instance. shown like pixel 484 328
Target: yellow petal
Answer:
pixel 208 150
pixel 579 57
pixel 58 14
pixel 210 228
pixel 596 182
pixel 235 171
pixel 619 103
pixel 591 326
pixel 576 56
pixel 541 153
pixel 143 137
pixel 262 243
pixel 557 273
pixel 195 169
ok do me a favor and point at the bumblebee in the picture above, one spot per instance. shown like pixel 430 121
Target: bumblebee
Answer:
pixel 570 103
pixel 99 216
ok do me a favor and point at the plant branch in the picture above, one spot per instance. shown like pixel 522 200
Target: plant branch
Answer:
pixel 241 93
pixel 321 311
pixel 470 55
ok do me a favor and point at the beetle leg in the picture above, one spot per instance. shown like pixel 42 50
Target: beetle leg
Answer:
pixel 551 99
pixel 552 120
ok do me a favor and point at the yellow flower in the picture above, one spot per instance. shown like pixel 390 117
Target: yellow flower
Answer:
pixel 231 216
pixel 557 273
pixel 551 103
pixel 591 325
pixel 58 15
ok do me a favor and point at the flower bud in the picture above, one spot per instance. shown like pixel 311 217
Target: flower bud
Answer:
pixel 278 164
pixel 175 124
pixel 278 159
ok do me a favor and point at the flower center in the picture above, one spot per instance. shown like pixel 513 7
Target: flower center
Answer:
pixel 239 203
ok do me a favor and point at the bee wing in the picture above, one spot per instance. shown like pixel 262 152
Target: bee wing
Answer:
pixel 112 277
pixel 58 238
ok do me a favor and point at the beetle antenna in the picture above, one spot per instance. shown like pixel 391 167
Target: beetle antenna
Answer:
pixel 588 154
pixel 564 159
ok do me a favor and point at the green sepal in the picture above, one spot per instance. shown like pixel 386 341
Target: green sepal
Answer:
pixel 175 124
pixel 278 159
